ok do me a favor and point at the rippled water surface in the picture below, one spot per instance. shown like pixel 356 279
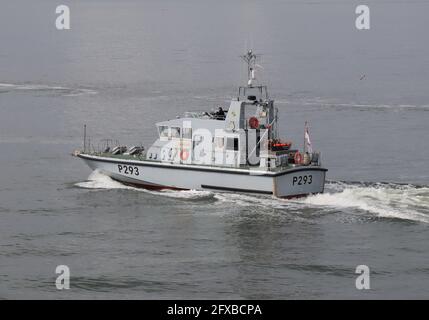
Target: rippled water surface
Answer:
pixel 125 65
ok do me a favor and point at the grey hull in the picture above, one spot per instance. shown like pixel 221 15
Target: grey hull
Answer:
pixel 298 181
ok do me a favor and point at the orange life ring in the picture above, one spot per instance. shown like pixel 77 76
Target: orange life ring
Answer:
pixel 184 154
pixel 254 123
pixel 297 157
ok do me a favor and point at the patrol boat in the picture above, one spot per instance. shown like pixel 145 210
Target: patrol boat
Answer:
pixel 233 150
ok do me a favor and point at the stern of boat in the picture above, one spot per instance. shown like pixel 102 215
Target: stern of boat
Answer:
pixel 299 183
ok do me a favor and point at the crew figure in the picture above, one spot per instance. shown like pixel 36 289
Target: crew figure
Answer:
pixel 220 114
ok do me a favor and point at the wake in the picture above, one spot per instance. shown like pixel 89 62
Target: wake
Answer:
pixel 42 88
pixel 385 200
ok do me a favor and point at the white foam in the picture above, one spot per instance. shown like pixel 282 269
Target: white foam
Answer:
pixel 67 92
pixel 7 85
pixel 382 200
pixel 249 200
pixel 335 103
pixel 80 92
pixel 98 180
pixel 391 201
pixel 184 194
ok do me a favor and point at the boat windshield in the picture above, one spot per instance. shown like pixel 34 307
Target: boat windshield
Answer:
pixel 197 115
pixel 163 131
pixel 205 115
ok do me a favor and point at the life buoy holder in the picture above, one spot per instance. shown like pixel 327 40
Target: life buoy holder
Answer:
pixel 184 154
pixel 254 123
pixel 282 144
pixel 297 157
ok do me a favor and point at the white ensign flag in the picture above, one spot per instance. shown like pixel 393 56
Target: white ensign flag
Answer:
pixel 307 140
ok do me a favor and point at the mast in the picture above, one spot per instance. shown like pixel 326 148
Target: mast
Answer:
pixel 250 59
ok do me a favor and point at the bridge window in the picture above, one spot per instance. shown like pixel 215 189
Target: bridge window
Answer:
pixel 187 133
pixel 163 131
pixel 175 132
pixel 232 144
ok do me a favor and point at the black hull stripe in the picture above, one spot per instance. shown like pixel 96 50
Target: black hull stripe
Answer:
pixel 204 186
pixel 147 164
pixel 292 196
pixel 148 186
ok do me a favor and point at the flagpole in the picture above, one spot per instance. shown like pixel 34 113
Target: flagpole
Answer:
pixel 305 127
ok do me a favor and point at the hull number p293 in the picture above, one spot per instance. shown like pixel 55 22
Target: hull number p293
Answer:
pixel 128 169
pixel 300 180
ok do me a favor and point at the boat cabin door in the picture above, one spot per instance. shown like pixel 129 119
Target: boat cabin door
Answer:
pixel 226 147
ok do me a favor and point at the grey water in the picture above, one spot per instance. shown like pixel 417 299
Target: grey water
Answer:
pixel 124 65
